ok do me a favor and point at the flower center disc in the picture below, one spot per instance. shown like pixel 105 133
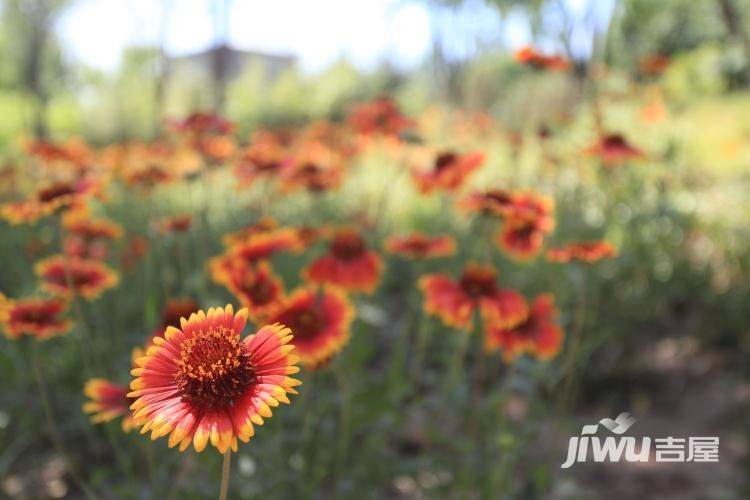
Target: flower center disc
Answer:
pixel 347 246
pixel 476 283
pixel 214 369
pixel 307 323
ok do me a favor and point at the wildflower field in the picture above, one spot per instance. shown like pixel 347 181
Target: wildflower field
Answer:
pixel 385 305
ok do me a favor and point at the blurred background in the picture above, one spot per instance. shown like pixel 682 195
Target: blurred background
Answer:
pixel 667 331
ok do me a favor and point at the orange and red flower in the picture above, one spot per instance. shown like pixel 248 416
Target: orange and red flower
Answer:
pixel 203 383
pixel 614 150
pixel 584 251
pixel 262 225
pixel 262 159
pixel 490 202
pixel 320 320
pixel 348 264
pixel 421 246
pixel 256 287
pixel 530 56
pixel 65 275
pixel 539 335
pixel 89 236
pixel 380 116
pixel 527 221
pixel 47 200
pixel 175 309
pixel 449 171
pixel 108 401
pixel 175 224
pixel 454 301
pixel 40 318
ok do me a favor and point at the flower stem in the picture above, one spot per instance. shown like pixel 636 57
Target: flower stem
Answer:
pixel 225 466
pixel 576 336
pixel 52 429
pixel 344 417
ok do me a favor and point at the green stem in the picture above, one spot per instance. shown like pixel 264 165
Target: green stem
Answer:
pixel 344 418
pixel 225 466
pixel 52 429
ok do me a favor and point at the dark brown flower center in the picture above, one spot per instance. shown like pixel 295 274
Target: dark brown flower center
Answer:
pixel 615 141
pixel 54 191
pixel 478 282
pixel 176 309
pixel 259 290
pixel 214 369
pixel 73 275
pixel 445 160
pixel 347 245
pixel 306 323
pixel 35 314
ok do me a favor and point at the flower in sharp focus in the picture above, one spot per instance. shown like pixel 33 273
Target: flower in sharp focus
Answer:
pixel 66 275
pixel 449 171
pixel 539 335
pixel 583 251
pixel 320 320
pixel 40 318
pixel 348 264
pixel 108 401
pixel 203 383
pixel 421 246
pixel 454 301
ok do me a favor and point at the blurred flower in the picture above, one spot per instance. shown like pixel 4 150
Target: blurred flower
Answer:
pixel 263 159
pixel 527 221
pixel 175 224
pixel 490 202
pixel 174 310
pixel 614 150
pixel 200 123
pixel 654 64
pixel 256 247
pixel 202 383
pixel 47 200
pixel 134 250
pixel 348 264
pixel 454 301
pixel 108 401
pixel 89 235
pixel 584 251
pixel 530 56
pixel 262 225
pixel 320 320
pixel 379 117
pixel 88 278
pixel 314 168
pixel 449 171
pixel 539 334
pixel 256 287
pixel 40 318
pixel 421 246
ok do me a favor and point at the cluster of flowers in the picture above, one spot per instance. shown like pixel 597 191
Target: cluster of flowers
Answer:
pixel 196 379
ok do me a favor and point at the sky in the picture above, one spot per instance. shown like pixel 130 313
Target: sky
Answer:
pixel 319 32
